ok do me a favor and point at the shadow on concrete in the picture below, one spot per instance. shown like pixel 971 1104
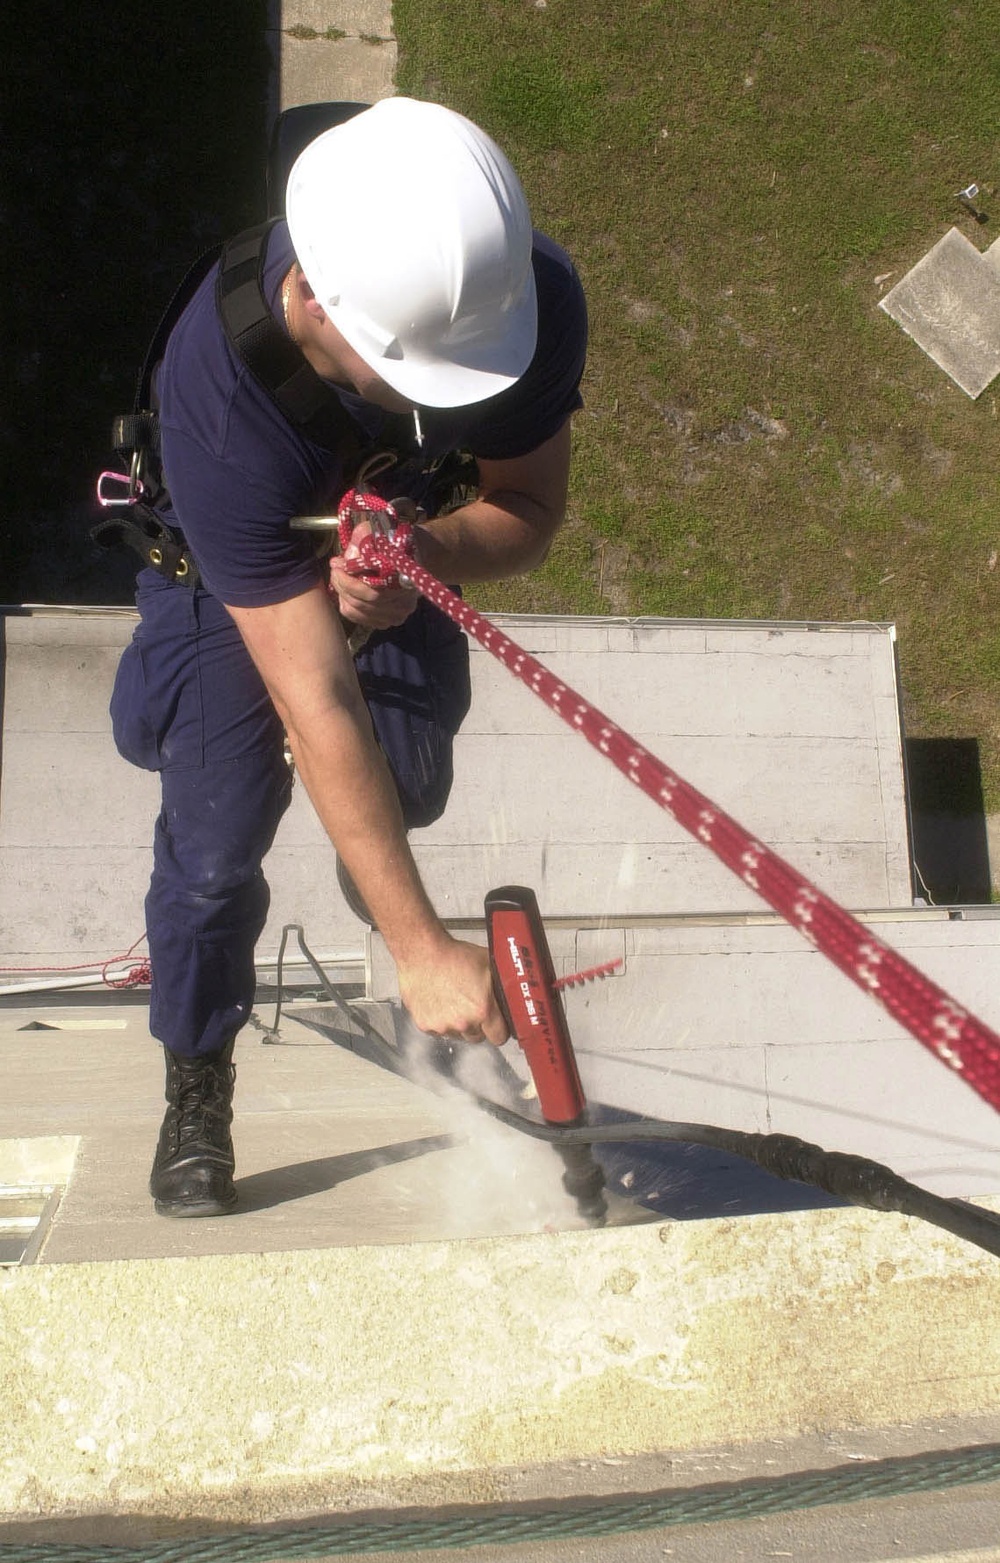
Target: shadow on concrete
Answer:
pixel 948 820
pixel 282 1185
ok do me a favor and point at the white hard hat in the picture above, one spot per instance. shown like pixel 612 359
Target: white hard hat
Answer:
pixel 413 232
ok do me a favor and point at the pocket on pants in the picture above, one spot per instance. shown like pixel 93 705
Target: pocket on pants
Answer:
pixel 134 737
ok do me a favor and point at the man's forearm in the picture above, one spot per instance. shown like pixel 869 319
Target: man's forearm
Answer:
pixel 488 540
pixel 299 647
pixel 509 528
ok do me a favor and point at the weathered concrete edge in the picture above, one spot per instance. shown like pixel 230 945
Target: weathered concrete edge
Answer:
pixel 259 1386
pixel 342 50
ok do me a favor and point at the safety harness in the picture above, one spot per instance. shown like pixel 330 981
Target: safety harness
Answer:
pixel 280 367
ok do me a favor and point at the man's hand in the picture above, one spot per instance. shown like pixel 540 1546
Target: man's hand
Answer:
pixel 452 996
pixel 373 607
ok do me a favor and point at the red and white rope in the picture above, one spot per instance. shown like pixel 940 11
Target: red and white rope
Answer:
pixel 360 503
pixel 952 1034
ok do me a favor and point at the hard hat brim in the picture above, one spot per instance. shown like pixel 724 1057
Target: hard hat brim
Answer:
pixel 461 378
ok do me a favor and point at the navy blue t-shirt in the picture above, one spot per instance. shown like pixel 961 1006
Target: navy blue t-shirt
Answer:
pixel 237 470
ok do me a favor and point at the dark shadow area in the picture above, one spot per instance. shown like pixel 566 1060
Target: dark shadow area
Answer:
pixel 948 820
pixel 133 140
pixel 683 1182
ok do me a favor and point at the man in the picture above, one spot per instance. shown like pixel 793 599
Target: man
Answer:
pixel 409 278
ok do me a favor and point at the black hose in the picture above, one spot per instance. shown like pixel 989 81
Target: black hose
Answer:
pixel 854 1179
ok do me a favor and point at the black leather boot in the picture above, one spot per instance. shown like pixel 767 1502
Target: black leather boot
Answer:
pixel 193 1168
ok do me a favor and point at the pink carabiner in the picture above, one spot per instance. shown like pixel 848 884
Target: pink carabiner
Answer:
pixel 123 480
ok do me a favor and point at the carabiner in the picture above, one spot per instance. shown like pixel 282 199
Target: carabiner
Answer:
pixel 123 480
pixel 134 483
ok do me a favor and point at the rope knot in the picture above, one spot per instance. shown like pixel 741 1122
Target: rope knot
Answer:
pixel 388 528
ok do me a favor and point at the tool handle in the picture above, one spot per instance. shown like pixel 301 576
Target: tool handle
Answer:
pixel 524 979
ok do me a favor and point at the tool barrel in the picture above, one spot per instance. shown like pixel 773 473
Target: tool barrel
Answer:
pixel 583 1180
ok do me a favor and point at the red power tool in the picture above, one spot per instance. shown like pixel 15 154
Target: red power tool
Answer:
pixel 525 983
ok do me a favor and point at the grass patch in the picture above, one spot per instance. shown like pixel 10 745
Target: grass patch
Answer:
pixel 306 34
pixel 759 440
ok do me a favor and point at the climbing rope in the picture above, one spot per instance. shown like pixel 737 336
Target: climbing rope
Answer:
pixel 532 1522
pixel 386 524
pixel 958 1038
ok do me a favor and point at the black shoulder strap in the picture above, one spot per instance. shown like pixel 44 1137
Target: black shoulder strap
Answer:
pixel 277 362
pixel 309 404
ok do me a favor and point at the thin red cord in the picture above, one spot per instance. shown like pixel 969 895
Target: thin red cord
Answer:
pixel 139 973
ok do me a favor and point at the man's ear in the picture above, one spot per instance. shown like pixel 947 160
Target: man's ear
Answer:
pixel 310 303
pixel 313 307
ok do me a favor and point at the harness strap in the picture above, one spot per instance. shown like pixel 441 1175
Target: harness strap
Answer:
pixel 160 549
pixel 274 360
pixel 277 363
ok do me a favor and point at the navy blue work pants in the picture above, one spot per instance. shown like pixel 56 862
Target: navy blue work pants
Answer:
pixel 189 703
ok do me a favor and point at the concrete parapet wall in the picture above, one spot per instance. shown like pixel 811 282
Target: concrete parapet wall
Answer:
pixel 344 1378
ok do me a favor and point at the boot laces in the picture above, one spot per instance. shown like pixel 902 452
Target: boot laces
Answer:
pixel 204 1095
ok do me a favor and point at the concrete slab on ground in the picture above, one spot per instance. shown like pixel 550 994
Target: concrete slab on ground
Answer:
pixel 993 839
pixel 949 303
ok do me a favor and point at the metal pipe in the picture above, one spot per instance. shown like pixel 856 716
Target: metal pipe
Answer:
pixel 93 977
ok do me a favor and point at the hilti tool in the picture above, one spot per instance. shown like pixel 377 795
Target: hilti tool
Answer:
pixel 527 993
